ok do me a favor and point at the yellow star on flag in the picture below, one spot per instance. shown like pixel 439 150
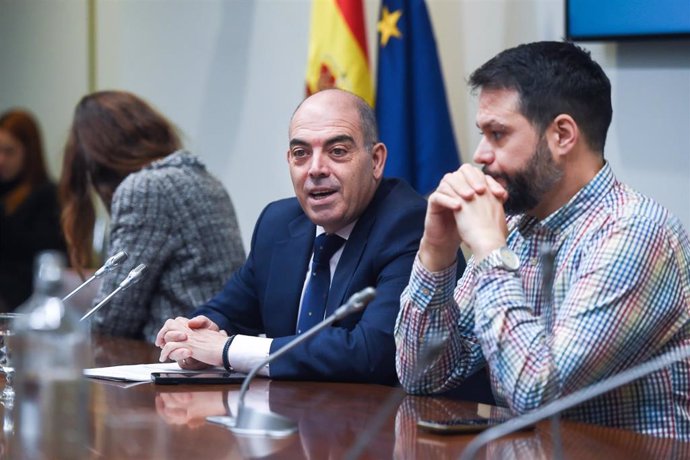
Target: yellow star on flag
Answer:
pixel 388 25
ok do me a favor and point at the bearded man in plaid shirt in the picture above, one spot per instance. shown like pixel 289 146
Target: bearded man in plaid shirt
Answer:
pixel 621 267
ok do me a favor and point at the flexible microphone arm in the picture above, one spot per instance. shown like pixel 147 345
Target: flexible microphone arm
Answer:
pixel 548 260
pixel 108 266
pixel 132 277
pixel 573 399
pixel 255 423
pixel 355 303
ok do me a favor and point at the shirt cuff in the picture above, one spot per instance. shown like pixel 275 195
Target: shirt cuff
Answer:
pixel 431 289
pixel 246 352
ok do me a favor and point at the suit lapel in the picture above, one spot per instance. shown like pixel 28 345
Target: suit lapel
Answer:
pixel 289 266
pixel 349 260
pixel 288 269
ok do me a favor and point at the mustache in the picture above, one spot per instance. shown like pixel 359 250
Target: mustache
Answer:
pixel 321 182
pixel 495 175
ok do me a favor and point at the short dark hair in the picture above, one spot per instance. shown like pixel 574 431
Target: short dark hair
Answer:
pixel 553 78
pixel 368 124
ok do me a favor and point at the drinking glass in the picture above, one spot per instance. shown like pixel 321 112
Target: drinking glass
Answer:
pixel 7 321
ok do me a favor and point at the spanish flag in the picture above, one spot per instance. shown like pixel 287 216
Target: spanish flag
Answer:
pixel 338 55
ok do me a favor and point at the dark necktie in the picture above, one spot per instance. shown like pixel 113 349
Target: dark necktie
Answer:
pixel 316 293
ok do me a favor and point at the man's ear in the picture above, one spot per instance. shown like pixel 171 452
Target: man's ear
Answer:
pixel 563 134
pixel 378 156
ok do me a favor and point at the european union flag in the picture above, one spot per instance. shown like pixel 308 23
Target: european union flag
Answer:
pixel 411 106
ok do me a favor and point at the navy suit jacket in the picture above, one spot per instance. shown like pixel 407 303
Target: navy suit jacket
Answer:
pixel 263 296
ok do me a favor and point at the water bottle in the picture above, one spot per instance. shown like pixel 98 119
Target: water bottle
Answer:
pixel 50 349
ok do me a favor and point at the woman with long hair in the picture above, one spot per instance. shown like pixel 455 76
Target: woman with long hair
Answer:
pixel 29 210
pixel 166 211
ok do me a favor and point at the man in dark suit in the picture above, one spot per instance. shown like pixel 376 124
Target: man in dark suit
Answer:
pixel 336 165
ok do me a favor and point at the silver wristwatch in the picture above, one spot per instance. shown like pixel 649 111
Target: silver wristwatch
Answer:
pixel 503 258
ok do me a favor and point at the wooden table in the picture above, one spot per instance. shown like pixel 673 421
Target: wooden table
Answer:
pixel 168 422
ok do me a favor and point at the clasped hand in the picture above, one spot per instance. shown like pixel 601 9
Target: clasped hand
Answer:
pixel 194 343
pixel 189 408
pixel 467 207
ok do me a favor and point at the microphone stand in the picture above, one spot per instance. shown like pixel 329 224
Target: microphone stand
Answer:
pixel 548 257
pixel 132 277
pixel 108 266
pixel 573 399
pixel 255 423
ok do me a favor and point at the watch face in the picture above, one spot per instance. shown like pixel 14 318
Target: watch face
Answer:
pixel 509 258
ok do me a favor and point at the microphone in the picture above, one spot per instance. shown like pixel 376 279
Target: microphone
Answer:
pixel 573 399
pixel 548 260
pixel 108 266
pixel 252 422
pixel 132 277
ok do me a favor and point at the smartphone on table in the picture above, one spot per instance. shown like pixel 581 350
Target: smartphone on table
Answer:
pixel 197 377
pixel 485 417
pixel 457 425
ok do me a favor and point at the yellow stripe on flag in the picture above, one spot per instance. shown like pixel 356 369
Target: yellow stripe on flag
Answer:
pixel 335 57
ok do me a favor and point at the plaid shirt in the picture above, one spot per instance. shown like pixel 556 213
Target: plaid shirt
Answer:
pixel 621 295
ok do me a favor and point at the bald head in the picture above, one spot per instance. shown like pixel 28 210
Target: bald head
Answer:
pixel 345 100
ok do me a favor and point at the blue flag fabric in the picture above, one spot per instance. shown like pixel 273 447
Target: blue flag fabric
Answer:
pixel 411 108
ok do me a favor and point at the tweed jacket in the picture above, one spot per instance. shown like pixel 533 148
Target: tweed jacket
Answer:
pixel 177 219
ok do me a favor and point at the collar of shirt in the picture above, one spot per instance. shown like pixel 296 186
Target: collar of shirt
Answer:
pixel 563 218
pixel 344 232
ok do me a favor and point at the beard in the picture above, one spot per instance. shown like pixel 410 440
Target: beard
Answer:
pixel 526 188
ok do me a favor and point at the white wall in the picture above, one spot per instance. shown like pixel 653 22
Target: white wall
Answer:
pixel 226 72
pixel 43 62
pixel 649 141
pixel 230 72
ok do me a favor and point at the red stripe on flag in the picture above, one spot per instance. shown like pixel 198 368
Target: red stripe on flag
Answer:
pixel 353 13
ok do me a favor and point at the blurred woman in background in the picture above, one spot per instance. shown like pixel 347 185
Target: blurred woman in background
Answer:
pixel 29 212
pixel 166 211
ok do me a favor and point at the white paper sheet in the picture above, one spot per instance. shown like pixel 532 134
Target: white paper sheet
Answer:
pixel 131 373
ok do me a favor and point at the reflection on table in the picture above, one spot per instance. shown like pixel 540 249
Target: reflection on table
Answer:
pixel 579 440
pixel 169 422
